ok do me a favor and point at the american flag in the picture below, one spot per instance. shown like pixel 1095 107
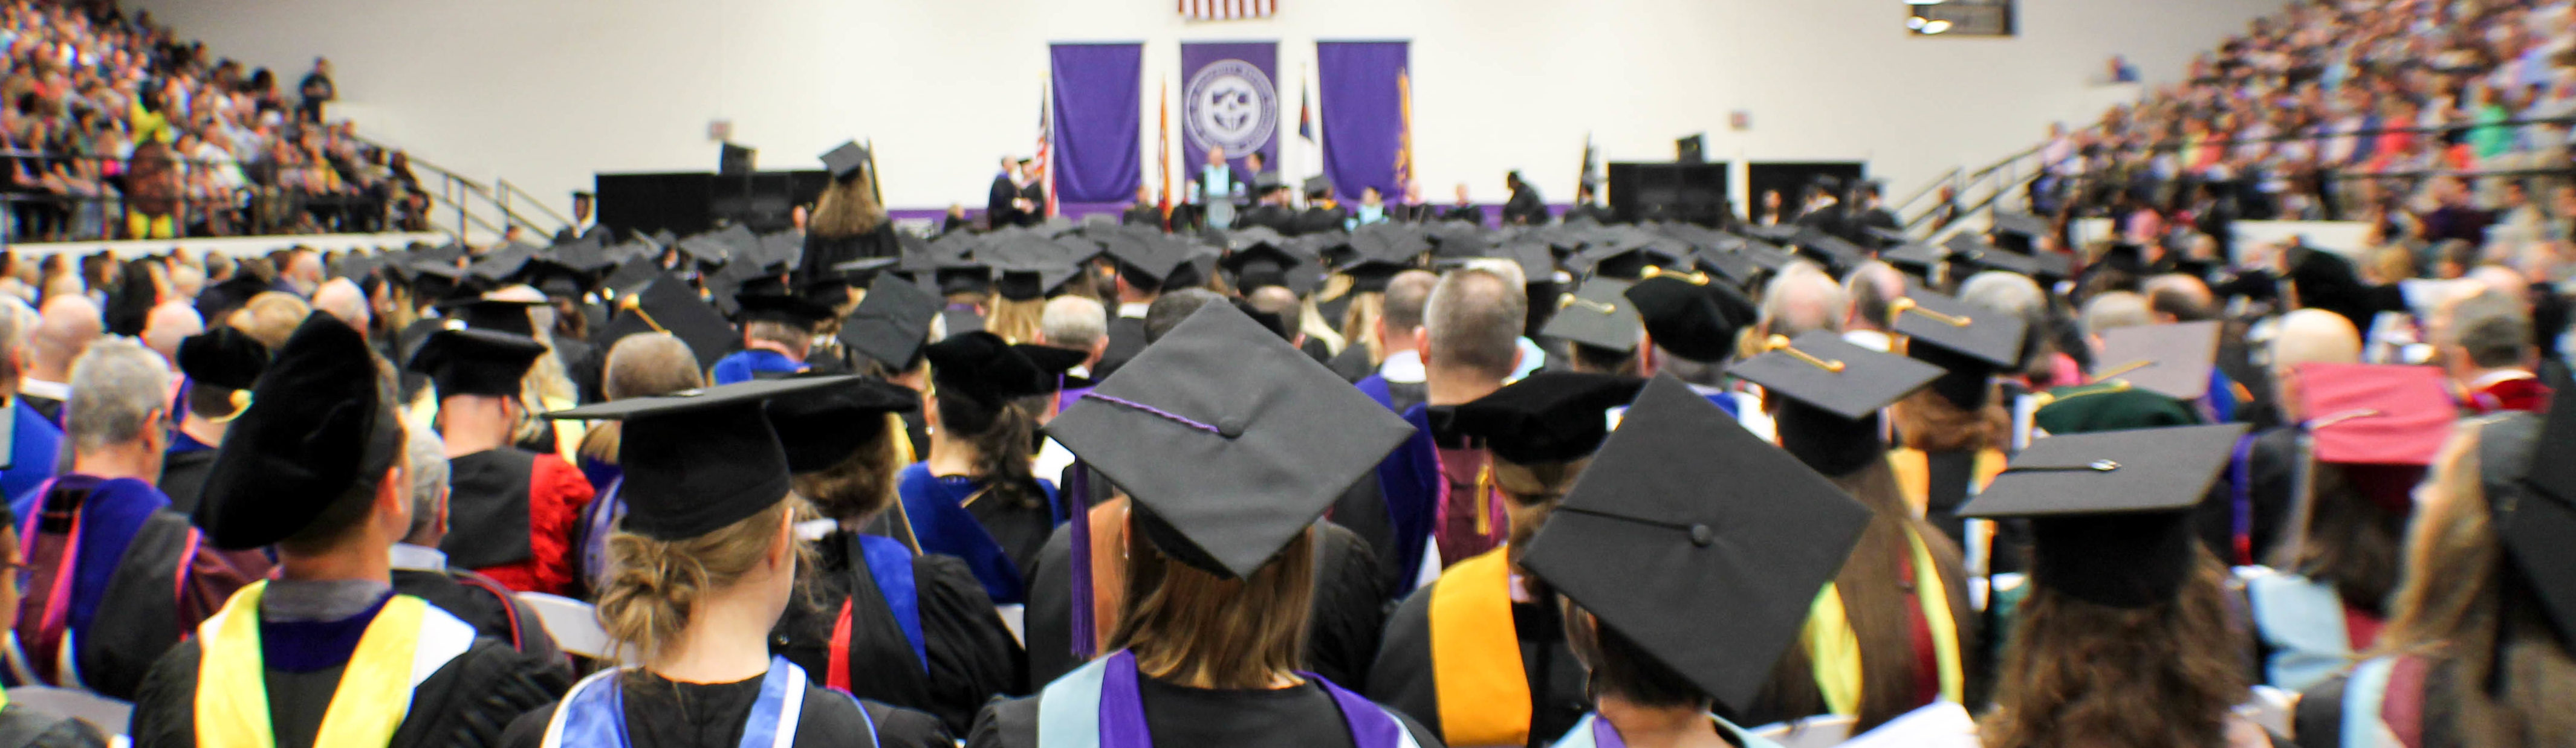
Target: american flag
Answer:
pixel 1045 161
pixel 1227 10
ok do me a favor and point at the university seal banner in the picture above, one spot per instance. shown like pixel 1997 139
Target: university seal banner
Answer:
pixel 1230 100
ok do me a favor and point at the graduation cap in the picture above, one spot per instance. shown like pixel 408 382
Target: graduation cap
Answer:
pixel 1231 441
pixel 318 428
pixel 1029 265
pixel 632 273
pixel 2532 502
pixel 1266 264
pixel 863 271
pixel 667 304
pixel 964 276
pixel 487 312
pixel 1537 261
pixel 1691 316
pixel 356 267
pixel 769 300
pixel 1546 417
pixel 891 322
pixel 2109 406
pixel 989 370
pixel 821 428
pixel 2111 511
pixel 2007 223
pixel 1459 239
pixel 1833 392
pixel 1715 583
pixel 1735 265
pixel 700 460
pixel 1933 319
pixel 1766 255
pixel 499 264
pixel 1631 258
pixel 465 361
pixel 1597 314
pixel 2376 414
pixel 1318 186
pixel 845 159
pixel 1914 257
pixel 2170 360
pixel 2044 266
pixel 222 357
pixel 1834 252
pixel 1143 257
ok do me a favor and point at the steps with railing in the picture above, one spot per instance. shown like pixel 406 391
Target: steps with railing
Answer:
pixel 470 211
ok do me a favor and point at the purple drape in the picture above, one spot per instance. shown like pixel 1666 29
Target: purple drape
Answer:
pixel 1098 153
pixel 1363 113
pixel 1229 98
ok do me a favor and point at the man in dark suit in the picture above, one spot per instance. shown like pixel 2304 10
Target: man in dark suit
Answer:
pixel 1001 204
pixel 1144 212
pixel 1464 210
pixel 1032 195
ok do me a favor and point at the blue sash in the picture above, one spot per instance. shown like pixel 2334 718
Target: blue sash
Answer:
pixel 890 564
pixel 598 521
pixel 1097 706
pixel 2303 621
pixel 942 524
pixel 1409 481
pixel 594 714
pixel 1375 386
pixel 1595 732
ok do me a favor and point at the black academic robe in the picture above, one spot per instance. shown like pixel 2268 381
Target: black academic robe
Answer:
pixel 51 408
pixel 1319 221
pixel 1035 193
pixel 483 604
pixel 21 727
pixel 163 587
pixel 1021 528
pixel 596 231
pixel 1403 676
pixel 1342 622
pixel 822 252
pixel 1275 217
pixel 1469 213
pixel 1142 215
pixel 2273 464
pixel 998 208
pixel 973 656
pixel 1300 717
pixel 1594 211
pixel 1126 339
pixel 183 477
pixel 1525 208
pixel 466 703
pixel 1352 363
pixel 667 714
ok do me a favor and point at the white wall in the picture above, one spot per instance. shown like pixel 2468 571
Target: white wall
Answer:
pixel 546 92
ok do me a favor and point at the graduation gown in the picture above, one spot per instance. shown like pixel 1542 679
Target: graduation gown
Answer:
pixel 1319 220
pixel 1035 193
pixel 1469 213
pixel 2397 693
pixel 1352 363
pixel 21 727
pixel 474 599
pixel 167 583
pixel 1142 215
pixel 1467 699
pixel 183 477
pixel 1275 217
pixel 1525 208
pixel 662 713
pixel 823 252
pixel 971 654
pixel 1126 339
pixel 511 516
pixel 998 210
pixel 997 539
pixel 1343 621
pixel 467 701
pixel 1300 717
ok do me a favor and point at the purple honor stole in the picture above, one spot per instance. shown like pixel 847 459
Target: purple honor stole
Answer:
pixel 1097 706
pixel 1595 732
pixel 594 713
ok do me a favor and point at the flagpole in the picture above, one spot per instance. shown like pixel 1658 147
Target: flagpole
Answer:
pixel 1046 144
pixel 1163 149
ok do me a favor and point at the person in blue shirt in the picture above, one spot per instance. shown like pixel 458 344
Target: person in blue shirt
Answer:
pixel 777 331
pixel 1372 209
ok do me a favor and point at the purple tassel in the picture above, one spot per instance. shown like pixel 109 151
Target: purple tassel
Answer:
pixel 1078 485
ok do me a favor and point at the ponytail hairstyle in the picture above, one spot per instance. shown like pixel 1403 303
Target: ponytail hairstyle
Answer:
pixel 1004 437
pixel 1017 321
pixel 656 584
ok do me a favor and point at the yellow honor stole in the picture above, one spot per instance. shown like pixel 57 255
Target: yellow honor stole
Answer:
pixel 405 643
pixel 1835 650
pixel 1476 655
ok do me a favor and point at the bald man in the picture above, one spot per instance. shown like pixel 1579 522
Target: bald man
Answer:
pixel 65 327
pixel 169 323
pixel 2306 336
pixel 1803 299
pixel 1871 287
pixel 343 299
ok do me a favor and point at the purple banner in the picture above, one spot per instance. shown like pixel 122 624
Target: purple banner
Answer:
pixel 1098 156
pixel 1229 100
pixel 1362 86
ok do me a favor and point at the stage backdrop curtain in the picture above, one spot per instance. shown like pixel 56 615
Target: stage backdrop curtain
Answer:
pixel 1098 118
pixel 1363 100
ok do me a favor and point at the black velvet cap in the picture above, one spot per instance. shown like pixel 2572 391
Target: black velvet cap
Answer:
pixel 1699 542
pixel 1597 314
pixel 1823 370
pixel 845 159
pixel 223 357
pixel 771 302
pixel 1548 416
pixel 1933 319
pixel 989 370
pixel 1691 316
pixel 667 304
pixel 497 315
pixel 318 428
pixel 699 460
pixel 2111 511
pixel 1231 441
pixel 891 322
pixel 1837 253
pixel 2170 360
pixel 466 361
pixel 821 428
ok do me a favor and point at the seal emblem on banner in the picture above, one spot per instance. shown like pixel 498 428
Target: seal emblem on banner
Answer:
pixel 1230 104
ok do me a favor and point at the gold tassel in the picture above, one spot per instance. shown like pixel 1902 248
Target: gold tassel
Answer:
pixel 1485 500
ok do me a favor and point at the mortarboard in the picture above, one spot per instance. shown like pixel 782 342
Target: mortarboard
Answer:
pixel 2042 266
pixel 2111 511
pixel 2007 223
pixel 1630 260
pixel 1028 265
pixel 632 273
pixel 863 271
pixel 1836 253
pixel 1546 417
pixel 1231 441
pixel 983 367
pixel 319 426
pixel 821 428
pixel 466 361
pixel 1143 257
pixel 1832 393
pixel 2109 406
pixel 1766 255
pixel 1734 264
pixel 222 357
pixel 1537 261
pixel 1690 316
pixel 699 460
pixel 1914 257
pixel 1714 583
pixel 2376 414
pixel 891 322
pixel 667 304
pixel 495 314
pixel 845 159
pixel 1318 186
pixel 1934 319
pixel 499 264
pixel 1263 264
pixel 2170 360
pixel 768 300
pixel 1596 314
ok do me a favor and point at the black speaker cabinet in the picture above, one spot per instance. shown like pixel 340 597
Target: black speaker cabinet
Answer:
pixel 1691 193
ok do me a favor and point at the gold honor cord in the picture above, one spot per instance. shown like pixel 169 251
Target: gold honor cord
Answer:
pixel 1781 343
pixel 1903 304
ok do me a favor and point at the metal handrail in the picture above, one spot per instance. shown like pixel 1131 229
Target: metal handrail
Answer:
pixel 507 189
pixel 1927 189
pixel 462 193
